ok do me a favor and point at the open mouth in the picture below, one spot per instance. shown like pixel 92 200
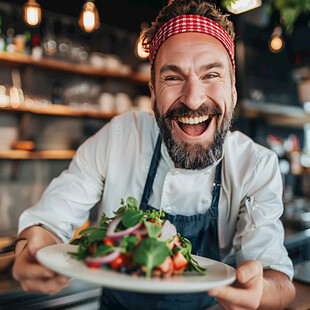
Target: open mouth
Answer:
pixel 194 125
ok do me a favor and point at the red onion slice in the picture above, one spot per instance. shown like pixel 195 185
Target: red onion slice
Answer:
pixel 167 231
pixel 142 232
pixel 103 259
pixel 115 235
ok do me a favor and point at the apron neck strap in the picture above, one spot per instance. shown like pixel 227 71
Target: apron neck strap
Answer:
pixel 152 173
pixel 148 187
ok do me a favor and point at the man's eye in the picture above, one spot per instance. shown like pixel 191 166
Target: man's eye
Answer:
pixel 172 78
pixel 211 76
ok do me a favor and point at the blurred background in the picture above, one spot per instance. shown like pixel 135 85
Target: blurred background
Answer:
pixel 68 67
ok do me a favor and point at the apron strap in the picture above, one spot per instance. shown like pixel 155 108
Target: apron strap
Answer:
pixel 217 185
pixel 151 174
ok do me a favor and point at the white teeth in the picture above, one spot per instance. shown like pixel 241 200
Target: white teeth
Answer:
pixel 193 120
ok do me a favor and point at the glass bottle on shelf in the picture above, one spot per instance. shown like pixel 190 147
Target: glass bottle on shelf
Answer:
pixel 10 47
pixel 28 47
pixel 36 47
pixel 49 42
pixel 2 37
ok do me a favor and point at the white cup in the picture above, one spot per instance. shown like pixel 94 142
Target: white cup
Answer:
pixel 107 102
pixel 123 102
pixel 143 103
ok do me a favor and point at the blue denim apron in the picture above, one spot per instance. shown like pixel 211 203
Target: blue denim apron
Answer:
pixel 200 229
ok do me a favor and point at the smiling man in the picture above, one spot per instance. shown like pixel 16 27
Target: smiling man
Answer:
pixel 220 189
pixel 194 87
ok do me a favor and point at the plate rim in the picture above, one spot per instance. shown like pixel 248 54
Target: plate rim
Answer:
pixel 119 281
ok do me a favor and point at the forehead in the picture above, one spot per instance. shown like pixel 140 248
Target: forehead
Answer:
pixel 184 48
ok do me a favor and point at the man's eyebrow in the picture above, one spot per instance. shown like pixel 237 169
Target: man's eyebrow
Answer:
pixel 177 69
pixel 173 68
pixel 215 64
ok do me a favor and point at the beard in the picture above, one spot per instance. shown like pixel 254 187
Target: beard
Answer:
pixel 194 156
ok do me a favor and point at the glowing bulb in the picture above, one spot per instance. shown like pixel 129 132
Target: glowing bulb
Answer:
pixel 140 51
pixel 32 13
pixel 241 6
pixel 89 18
pixel 89 21
pixel 32 16
pixel 276 43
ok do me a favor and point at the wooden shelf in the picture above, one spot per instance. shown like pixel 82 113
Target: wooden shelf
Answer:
pixel 59 110
pixel 54 65
pixel 275 114
pixel 49 154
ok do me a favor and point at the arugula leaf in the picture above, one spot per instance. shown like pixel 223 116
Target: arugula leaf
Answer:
pixel 83 246
pixel 153 229
pixel 88 230
pixel 131 218
pixel 150 253
pixel 102 250
pixel 104 221
pixel 80 255
pixel 132 203
pixel 192 263
pixel 129 243
pixel 120 211
pixel 96 235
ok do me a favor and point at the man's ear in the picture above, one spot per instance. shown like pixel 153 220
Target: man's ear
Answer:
pixel 152 90
pixel 234 95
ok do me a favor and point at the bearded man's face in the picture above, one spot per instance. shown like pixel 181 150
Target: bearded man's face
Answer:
pixel 193 98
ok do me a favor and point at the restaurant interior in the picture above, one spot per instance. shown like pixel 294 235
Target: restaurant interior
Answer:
pixel 62 79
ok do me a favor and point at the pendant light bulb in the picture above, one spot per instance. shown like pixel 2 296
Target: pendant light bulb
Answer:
pixel 276 42
pixel 139 50
pixel 241 6
pixel 32 13
pixel 89 18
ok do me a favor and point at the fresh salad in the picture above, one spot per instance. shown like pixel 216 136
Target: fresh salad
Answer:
pixel 136 242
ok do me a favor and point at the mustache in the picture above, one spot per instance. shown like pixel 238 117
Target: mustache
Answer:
pixel 183 110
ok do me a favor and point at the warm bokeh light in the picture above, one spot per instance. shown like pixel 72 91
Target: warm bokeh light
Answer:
pixel 276 44
pixel 89 18
pixel 32 13
pixel 140 52
pixel 241 6
pixel 89 21
pixel 16 97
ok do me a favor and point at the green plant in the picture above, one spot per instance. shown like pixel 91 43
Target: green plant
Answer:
pixel 289 10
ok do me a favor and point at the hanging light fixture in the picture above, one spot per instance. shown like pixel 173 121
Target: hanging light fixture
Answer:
pixel 32 13
pixel 89 17
pixel 276 42
pixel 139 50
pixel 241 6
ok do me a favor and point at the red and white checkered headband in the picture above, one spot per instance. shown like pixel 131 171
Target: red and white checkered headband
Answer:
pixel 191 23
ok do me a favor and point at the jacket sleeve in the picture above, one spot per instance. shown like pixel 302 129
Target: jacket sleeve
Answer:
pixel 66 202
pixel 259 231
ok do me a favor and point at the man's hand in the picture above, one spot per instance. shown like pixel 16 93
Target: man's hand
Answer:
pixel 247 290
pixel 255 289
pixel 33 276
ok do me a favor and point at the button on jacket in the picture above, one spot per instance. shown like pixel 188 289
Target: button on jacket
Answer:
pixel 113 164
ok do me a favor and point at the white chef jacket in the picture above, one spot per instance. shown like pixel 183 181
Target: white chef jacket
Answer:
pixel 113 164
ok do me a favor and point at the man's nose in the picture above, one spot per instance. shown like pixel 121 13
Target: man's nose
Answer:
pixel 193 94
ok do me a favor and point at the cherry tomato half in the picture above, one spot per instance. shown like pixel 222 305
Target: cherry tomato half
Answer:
pixel 118 262
pixel 93 265
pixel 108 241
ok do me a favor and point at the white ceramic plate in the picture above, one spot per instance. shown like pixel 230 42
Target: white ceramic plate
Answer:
pixel 56 257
